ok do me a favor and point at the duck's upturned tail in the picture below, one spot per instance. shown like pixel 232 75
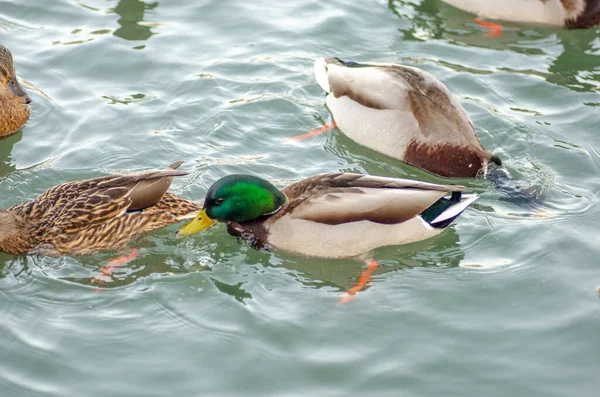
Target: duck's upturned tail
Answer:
pixel 320 69
pixel 445 210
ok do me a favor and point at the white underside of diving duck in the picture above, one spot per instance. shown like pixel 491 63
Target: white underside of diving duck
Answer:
pixel 550 12
pixel 361 123
pixel 370 128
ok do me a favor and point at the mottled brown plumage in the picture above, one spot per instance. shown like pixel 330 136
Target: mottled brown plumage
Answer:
pixel 86 216
pixel 14 108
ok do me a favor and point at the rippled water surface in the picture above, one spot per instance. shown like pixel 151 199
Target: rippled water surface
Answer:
pixel 130 84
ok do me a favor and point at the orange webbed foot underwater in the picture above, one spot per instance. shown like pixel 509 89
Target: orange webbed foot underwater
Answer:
pixel 106 270
pixel 365 277
pixel 316 131
pixel 495 29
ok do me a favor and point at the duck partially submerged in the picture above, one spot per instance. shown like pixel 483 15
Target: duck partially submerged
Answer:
pixel 405 113
pixel 338 215
pixel 569 13
pixel 83 217
pixel 14 101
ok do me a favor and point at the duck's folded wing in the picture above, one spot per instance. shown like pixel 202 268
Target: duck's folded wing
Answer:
pixel 346 197
pixel 338 180
pixel 111 197
pixel 347 179
pixel 145 188
pixel 387 206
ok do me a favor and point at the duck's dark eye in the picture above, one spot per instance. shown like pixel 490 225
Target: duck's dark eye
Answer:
pixel 219 201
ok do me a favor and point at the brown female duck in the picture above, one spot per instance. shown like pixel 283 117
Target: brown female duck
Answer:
pixel 14 101
pixel 86 216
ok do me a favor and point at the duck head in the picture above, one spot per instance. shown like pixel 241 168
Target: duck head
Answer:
pixel 14 101
pixel 235 198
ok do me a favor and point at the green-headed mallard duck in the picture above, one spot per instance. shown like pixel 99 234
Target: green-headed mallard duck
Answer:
pixel 337 215
pixel 405 113
pixel 101 213
pixel 569 13
pixel 14 101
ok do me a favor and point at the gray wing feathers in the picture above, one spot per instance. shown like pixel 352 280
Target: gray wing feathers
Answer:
pixel 359 180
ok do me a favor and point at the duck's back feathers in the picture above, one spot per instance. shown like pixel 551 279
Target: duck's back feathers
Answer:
pixel 126 192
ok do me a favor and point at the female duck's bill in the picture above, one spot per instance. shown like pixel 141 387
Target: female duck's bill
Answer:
pixel 339 215
pixel 569 13
pixel 14 101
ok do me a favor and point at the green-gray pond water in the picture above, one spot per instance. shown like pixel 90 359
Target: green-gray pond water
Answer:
pixel 503 303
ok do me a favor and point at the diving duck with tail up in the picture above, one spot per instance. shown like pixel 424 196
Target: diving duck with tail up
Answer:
pixel 406 113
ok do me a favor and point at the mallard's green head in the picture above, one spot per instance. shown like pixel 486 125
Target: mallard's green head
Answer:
pixel 241 198
pixel 235 198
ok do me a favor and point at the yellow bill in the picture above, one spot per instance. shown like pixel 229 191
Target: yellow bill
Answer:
pixel 200 223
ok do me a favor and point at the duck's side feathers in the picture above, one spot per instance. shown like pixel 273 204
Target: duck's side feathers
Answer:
pixel 448 160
